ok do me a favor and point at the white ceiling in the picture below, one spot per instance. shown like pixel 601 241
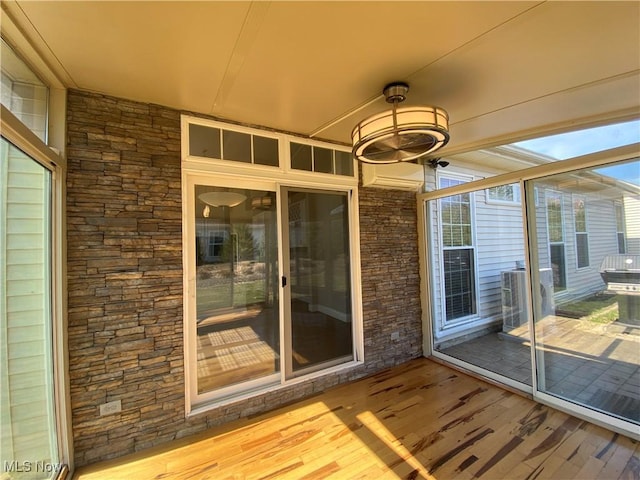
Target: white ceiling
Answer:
pixel 317 68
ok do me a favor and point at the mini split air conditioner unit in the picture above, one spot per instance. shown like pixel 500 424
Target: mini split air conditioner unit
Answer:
pixel 514 297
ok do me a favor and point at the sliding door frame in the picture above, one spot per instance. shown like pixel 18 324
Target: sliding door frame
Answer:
pixel 17 134
pixel 521 177
pixel 216 172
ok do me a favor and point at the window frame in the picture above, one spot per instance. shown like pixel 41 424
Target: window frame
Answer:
pixel 224 173
pixel 283 170
pixel 581 233
pixel 532 245
pixel 515 189
pixel 562 244
pixel 19 135
pixel 444 323
pixel 621 227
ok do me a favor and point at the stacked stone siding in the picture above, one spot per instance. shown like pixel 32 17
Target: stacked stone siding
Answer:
pixel 125 305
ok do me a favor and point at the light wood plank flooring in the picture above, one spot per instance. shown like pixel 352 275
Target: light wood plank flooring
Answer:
pixel 419 420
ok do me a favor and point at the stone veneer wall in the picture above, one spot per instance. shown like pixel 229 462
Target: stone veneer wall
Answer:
pixel 124 247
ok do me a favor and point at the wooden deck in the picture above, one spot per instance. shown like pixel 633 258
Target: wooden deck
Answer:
pixel 419 420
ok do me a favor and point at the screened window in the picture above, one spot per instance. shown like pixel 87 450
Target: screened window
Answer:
pixel 459 282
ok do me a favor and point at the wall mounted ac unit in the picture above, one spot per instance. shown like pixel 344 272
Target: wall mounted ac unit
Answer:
pixel 396 176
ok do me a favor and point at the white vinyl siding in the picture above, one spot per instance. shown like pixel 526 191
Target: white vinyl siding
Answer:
pixel 631 214
pixel 500 244
pixel 26 372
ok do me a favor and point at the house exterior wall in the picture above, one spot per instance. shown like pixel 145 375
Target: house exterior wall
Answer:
pixel 632 213
pixel 601 229
pixel 498 243
pixel 125 302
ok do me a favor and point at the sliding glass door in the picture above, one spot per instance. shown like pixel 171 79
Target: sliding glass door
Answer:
pixel 237 307
pixel 557 272
pixel 270 298
pixel 318 329
pixel 588 347
pixel 27 402
pixel 480 305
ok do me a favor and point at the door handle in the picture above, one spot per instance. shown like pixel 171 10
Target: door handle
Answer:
pixel 284 281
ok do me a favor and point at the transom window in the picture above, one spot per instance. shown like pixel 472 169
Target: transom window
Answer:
pixel 211 142
pixel 215 143
pixel 504 193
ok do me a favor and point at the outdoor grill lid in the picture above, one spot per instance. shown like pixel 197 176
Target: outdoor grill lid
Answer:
pixel 620 263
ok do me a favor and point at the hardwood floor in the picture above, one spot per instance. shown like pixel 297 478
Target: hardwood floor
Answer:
pixel 419 420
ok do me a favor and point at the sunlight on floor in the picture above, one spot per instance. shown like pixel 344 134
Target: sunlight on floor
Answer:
pixel 375 426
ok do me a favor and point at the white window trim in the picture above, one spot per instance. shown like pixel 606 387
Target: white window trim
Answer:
pixel 224 173
pixel 448 328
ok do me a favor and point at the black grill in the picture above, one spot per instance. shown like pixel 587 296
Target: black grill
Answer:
pixel 621 273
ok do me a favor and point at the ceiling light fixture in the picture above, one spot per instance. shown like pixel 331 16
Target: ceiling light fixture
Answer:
pixel 400 134
pixel 222 199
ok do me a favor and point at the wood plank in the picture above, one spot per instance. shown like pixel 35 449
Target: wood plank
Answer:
pixel 419 420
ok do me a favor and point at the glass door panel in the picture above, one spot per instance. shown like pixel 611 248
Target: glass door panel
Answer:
pixel 587 336
pixel 319 328
pixel 479 300
pixel 237 303
pixel 27 406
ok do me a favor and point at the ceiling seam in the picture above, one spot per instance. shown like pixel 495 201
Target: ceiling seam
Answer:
pixel 250 27
pixel 44 58
pixel 372 100
pixel 477 37
pixel 630 73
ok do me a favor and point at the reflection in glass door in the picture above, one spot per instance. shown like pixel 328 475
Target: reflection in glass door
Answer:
pixel 588 345
pixel 319 327
pixel 237 311
pixel 27 405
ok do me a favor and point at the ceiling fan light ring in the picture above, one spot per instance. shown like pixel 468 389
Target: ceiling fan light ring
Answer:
pixel 431 123
pixel 436 138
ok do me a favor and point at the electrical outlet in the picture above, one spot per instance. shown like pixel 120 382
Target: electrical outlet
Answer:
pixel 395 335
pixel 110 407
